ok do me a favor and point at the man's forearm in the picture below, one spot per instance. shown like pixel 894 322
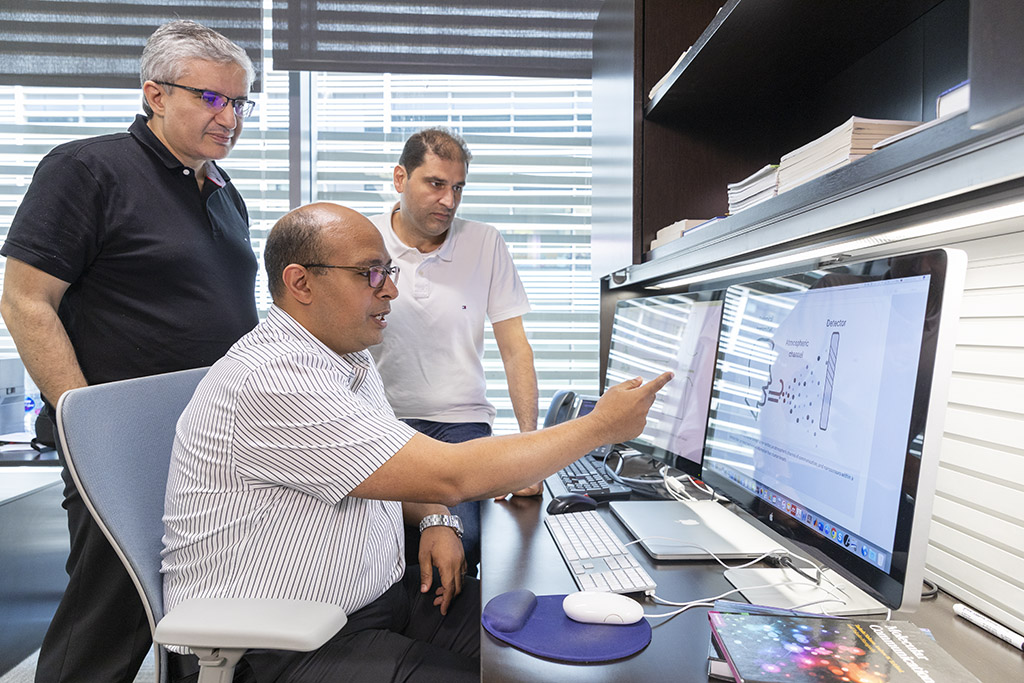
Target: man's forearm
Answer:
pixel 44 347
pixel 517 358
pixel 412 513
pixel 522 389
pixel 428 470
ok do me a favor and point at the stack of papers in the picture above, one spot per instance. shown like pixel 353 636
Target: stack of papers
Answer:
pixel 835 149
pixel 754 189
pixel 675 231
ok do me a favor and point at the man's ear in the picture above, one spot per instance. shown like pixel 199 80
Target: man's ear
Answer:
pixel 296 283
pixel 400 177
pixel 154 95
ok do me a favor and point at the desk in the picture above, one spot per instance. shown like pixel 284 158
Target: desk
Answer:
pixel 33 550
pixel 518 552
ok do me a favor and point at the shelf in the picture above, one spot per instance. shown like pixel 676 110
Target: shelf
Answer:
pixel 775 51
pixel 943 164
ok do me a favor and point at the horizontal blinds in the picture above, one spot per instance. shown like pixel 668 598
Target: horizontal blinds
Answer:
pixel 543 38
pixel 976 546
pixel 98 44
pixel 34 120
pixel 530 177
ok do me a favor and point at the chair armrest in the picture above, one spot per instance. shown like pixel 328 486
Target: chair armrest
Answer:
pixel 298 625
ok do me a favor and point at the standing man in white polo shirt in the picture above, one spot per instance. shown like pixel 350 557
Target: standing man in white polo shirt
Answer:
pixel 459 274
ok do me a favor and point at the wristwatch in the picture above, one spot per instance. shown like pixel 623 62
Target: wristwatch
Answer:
pixel 451 521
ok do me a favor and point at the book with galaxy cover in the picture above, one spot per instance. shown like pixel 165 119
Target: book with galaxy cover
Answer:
pixel 718 668
pixel 793 649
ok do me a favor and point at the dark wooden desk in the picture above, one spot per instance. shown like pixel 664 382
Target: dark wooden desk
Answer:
pixel 518 553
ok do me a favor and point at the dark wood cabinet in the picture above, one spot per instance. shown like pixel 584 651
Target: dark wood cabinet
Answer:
pixel 763 77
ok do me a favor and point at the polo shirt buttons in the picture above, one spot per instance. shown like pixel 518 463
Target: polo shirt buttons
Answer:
pixel 186 171
pixel 421 283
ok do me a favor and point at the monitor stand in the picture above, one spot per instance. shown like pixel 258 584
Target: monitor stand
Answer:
pixel 787 589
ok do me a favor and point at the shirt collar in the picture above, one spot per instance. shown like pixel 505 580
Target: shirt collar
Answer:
pixel 355 365
pixel 147 138
pixel 446 252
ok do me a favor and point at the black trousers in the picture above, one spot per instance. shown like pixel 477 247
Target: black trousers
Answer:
pixel 99 631
pixel 401 637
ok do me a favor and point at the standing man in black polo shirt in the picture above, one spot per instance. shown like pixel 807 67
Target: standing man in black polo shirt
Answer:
pixel 130 256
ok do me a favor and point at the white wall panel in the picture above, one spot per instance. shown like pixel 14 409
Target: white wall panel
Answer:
pixel 976 549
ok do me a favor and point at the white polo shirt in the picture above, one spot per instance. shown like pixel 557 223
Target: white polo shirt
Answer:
pixel 431 358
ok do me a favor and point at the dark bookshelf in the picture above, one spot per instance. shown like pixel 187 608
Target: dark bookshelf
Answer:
pixel 760 78
pixel 776 52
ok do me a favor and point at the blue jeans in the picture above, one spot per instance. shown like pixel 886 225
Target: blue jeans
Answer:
pixel 453 432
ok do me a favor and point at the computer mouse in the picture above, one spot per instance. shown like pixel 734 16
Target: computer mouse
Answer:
pixel 599 607
pixel 570 502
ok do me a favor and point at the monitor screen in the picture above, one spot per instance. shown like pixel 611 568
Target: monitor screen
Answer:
pixel 677 332
pixel 822 393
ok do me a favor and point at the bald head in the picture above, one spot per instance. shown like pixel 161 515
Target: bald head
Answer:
pixel 300 236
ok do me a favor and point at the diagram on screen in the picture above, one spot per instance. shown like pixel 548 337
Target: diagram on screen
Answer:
pixel 830 376
pixel 794 387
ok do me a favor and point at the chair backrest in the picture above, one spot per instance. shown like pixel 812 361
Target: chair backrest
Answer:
pixel 117 440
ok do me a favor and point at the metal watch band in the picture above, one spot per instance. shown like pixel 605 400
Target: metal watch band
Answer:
pixel 451 521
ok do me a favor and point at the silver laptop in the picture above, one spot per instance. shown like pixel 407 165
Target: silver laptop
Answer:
pixel 674 530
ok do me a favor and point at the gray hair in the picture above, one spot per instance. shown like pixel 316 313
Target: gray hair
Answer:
pixel 175 43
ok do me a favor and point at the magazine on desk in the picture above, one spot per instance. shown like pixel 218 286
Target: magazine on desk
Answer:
pixel 779 648
pixel 718 667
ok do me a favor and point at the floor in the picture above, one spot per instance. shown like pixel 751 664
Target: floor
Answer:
pixel 25 672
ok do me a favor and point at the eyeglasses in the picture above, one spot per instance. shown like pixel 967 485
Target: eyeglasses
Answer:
pixel 217 101
pixel 375 275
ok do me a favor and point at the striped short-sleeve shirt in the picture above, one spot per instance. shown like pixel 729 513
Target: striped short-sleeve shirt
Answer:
pixel 276 436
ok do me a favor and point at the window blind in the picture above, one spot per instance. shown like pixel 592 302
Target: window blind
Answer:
pixel 549 38
pixel 98 44
pixel 530 178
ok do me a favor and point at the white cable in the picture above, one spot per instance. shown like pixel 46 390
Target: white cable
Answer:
pixel 676 489
pixel 710 553
pixel 702 486
pixel 709 602
pixel 674 485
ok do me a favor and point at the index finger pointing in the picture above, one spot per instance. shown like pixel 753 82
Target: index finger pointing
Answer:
pixel 656 384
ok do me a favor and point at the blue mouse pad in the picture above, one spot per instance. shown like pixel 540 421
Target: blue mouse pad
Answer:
pixel 537 624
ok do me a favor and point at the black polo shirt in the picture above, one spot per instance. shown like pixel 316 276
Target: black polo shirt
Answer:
pixel 162 275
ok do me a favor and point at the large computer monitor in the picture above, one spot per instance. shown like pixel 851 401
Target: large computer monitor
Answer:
pixel 827 410
pixel 677 332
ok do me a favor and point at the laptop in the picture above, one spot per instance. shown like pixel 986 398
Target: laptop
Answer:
pixel 676 530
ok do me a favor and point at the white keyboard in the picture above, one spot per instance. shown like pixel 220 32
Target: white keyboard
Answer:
pixel 595 556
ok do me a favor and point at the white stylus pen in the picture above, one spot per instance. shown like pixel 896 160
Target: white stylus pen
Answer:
pixel 993 627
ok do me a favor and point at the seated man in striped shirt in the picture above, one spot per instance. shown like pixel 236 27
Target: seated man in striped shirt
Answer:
pixel 291 476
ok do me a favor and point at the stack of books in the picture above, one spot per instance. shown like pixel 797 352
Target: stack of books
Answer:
pixel 753 189
pixel 675 231
pixel 763 645
pixel 848 142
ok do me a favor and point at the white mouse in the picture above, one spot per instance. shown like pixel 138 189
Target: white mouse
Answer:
pixel 598 607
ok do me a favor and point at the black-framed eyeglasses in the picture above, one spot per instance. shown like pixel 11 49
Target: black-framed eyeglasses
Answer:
pixel 217 101
pixel 375 275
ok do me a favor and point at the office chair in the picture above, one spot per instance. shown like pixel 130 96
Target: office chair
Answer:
pixel 117 441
